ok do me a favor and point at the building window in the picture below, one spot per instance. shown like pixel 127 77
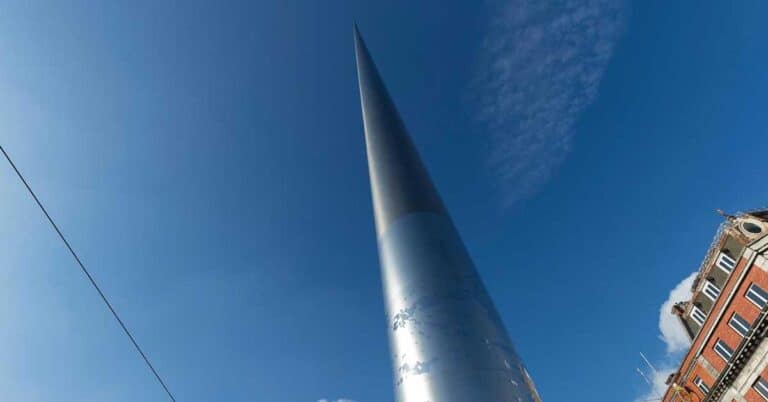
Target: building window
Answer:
pixel 698 315
pixel 711 290
pixel 761 386
pixel 726 263
pixel 739 324
pixel 723 350
pixel 700 383
pixel 757 295
pixel 751 228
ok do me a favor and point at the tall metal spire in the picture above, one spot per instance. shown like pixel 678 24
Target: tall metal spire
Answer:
pixel 447 341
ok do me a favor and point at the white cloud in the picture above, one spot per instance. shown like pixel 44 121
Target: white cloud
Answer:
pixel 672 333
pixel 674 337
pixel 542 67
pixel 658 387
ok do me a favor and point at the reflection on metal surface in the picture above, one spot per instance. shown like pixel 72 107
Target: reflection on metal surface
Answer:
pixel 447 341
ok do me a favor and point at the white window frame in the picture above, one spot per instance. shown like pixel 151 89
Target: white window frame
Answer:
pixel 725 263
pixel 756 296
pixel 721 350
pixel 696 314
pixel 739 326
pixel 702 386
pixel 761 387
pixel 709 285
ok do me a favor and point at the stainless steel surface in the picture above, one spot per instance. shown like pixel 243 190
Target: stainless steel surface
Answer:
pixel 447 341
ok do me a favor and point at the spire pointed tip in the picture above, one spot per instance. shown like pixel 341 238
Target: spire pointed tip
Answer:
pixel 356 33
pixel 360 49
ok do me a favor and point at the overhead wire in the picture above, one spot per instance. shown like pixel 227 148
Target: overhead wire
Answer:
pixel 89 276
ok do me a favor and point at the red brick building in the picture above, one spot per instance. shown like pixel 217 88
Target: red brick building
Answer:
pixel 727 318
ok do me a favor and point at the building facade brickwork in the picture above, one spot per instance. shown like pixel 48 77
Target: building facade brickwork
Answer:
pixel 727 318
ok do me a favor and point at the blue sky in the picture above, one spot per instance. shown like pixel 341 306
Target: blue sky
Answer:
pixel 207 161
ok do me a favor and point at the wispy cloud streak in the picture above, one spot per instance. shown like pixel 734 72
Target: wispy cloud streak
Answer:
pixel 542 65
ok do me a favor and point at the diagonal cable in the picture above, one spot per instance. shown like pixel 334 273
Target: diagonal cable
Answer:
pixel 88 275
